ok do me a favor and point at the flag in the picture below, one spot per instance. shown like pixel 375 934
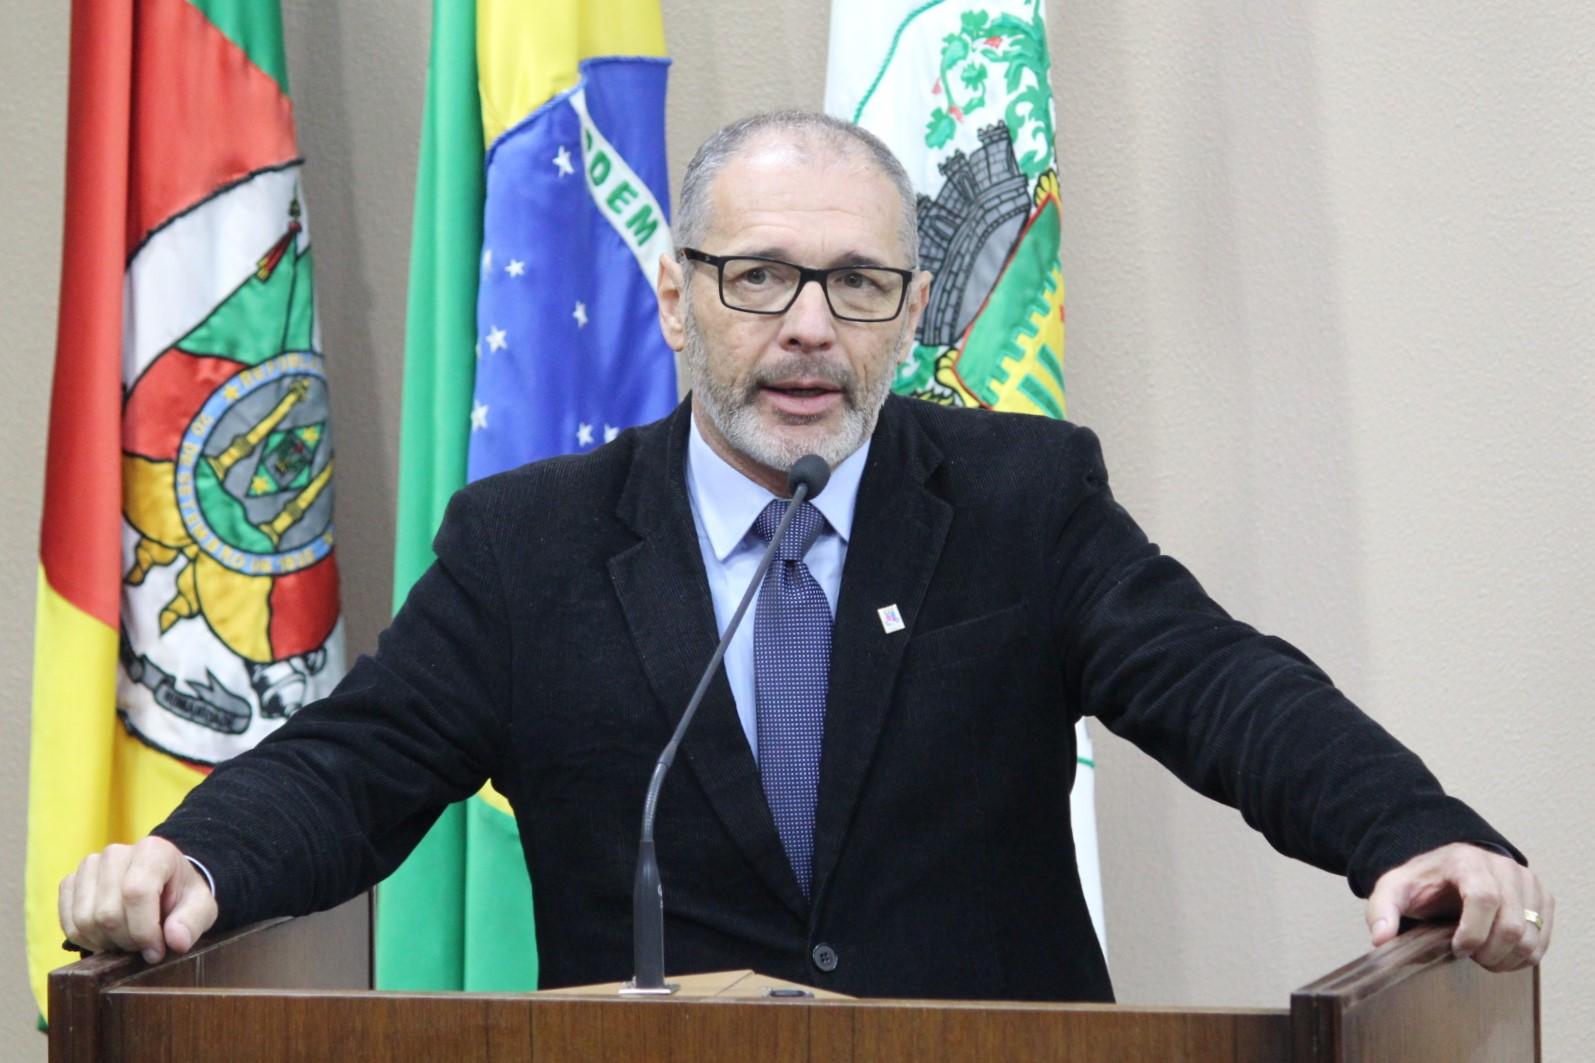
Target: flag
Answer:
pixel 961 92
pixel 533 331
pixel 188 586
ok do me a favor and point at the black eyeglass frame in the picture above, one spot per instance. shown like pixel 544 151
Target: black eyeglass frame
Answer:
pixel 805 274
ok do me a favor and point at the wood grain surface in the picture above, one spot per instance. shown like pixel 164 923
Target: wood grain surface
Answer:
pixel 296 990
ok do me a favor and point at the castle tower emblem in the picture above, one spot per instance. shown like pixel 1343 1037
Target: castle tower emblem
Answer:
pixel 968 231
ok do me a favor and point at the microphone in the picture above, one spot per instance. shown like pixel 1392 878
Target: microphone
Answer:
pixel 807 478
pixel 810 472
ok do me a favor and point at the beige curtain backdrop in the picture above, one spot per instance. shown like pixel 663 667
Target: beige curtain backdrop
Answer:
pixel 1330 275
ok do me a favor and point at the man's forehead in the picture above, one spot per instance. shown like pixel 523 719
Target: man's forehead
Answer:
pixel 796 192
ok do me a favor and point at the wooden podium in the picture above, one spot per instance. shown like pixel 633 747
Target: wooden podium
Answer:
pixel 300 990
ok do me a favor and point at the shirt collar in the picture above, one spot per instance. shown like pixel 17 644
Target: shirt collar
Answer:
pixel 728 502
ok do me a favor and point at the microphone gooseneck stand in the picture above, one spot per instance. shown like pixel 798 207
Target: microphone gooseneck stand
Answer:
pixel 806 480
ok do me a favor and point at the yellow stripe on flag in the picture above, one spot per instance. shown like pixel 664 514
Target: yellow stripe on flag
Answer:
pixel 89 782
pixel 528 54
pixel 74 688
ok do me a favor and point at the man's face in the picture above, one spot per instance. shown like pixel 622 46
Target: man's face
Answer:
pixel 768 389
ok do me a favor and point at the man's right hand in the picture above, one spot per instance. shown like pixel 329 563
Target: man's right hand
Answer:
pixel 137 898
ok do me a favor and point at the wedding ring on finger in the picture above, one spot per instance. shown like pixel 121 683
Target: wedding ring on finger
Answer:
pixel 1534 917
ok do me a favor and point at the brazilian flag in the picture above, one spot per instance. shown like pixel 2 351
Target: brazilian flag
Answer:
pixel 541 212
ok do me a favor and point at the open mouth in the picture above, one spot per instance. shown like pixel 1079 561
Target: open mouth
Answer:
pixel 802 392
pixel 803 397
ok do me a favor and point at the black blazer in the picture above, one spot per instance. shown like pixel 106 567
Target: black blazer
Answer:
pixel 555 643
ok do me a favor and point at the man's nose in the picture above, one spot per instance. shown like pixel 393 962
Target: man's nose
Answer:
pixel 808 324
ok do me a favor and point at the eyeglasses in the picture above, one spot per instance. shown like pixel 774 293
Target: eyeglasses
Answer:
pixel 758 285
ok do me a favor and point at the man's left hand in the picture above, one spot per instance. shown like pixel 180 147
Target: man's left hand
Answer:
pixel 1493 897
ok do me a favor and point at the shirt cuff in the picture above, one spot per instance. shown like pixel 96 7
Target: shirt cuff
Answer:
pixel 203 870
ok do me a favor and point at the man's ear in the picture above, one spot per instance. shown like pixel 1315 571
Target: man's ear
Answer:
pixel 672 308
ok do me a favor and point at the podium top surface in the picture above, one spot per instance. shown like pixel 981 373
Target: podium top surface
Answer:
pixel 712 985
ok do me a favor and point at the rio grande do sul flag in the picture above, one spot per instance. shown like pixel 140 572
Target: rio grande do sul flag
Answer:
pixel 961 91
pixel 188 591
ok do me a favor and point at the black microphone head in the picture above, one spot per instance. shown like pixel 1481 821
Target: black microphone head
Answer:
pixel 809 471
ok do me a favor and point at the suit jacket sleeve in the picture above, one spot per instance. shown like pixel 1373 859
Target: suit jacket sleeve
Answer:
pixel 334 800
pixel 1241 717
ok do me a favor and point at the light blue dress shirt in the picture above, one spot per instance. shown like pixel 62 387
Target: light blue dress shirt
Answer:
pixel 724 505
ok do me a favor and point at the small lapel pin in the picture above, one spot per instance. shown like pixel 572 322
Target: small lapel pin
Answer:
pixel 891 619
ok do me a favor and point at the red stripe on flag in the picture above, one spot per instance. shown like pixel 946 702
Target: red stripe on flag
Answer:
pixel 81 531
pixel 204 116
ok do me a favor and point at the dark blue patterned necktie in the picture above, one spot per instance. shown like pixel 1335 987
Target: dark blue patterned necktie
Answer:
pixel 791 669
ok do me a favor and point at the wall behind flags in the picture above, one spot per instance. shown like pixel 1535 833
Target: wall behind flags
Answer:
pixel 33 130
pixel 1331 292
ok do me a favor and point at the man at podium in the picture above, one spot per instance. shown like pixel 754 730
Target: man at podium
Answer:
pixel 874 795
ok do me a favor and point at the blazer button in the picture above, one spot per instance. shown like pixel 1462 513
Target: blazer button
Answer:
pixel 824 958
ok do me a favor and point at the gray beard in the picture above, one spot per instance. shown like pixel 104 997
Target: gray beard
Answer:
pixel 735 415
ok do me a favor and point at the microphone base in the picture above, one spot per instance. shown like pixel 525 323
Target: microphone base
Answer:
pixel 631 989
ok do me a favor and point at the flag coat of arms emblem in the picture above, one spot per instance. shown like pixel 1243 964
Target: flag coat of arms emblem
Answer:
pixel 962 94
pixel 230 585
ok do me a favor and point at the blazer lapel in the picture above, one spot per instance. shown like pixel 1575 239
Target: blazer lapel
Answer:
pixel 664 594
pixel 899 528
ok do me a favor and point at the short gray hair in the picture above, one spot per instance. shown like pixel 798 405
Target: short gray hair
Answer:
pixel 692 212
